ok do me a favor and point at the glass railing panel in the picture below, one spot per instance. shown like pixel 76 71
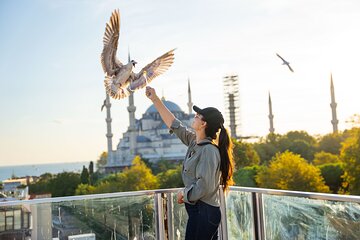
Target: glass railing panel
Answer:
pixel 130 217
pixel 239 214
pixel 287 217
pixel 179 218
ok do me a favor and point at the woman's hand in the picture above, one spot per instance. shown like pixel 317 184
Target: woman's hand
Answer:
pixel 180 197
pixel 150 93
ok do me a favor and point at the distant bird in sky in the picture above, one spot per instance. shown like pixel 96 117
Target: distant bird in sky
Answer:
pixel 285 62
pixel 120 80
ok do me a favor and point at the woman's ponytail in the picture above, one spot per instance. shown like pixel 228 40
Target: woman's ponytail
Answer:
pixel 227 163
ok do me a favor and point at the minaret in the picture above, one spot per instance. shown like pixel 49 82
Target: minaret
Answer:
pixel 190 104
pixel 333 105
pixel 109 135
pixel 132 129
pixel 271 116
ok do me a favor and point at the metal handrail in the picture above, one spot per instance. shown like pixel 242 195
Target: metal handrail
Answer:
pixel 312 195
pixel 90 196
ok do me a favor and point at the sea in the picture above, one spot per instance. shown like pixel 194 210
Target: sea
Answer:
pixel 37 169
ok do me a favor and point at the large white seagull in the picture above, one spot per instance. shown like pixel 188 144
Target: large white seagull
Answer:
pixel 120 80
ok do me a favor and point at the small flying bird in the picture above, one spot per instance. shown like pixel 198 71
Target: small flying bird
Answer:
pixel 120 80
pixel 285 62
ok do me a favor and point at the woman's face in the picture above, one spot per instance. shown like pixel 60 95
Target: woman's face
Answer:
pixel 198 122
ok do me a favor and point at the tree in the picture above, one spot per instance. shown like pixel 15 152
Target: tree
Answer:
pixel 332 174
pixel 59 185
pixel 171 178
pixel 91 168
pixel 350 153
pixel 91 173
pixel 102 160
pixel 64 184
pixel 300 135
pixel 84 177
pixel 325 157
pixel 330 143
pixel 268 147
pixel 84 189
pixel 245 177
pixel 298 142
pixel 289 171
pixel 137 177
pixel 244 154
pixel 160 166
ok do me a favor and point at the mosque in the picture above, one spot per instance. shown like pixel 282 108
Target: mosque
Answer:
pixel 149 137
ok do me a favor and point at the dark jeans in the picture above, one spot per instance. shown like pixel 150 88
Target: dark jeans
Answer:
pixel 203 222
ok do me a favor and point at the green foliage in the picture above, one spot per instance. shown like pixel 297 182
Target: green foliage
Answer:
pixel 171 178
pixel 330 143
pixel 137 177
pixel 289 171
pixel 324 158
pixel 160 166
pixel 298 142
pixel 350 153
pixel 92 175
pixel 84 189
pixel 245 177
pixel 84 177
pixel 300 135
pixel 244 154
pixel 268 147
pixel 91 168
pixel 59 185
pixel 332 174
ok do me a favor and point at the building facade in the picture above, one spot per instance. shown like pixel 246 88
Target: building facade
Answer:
pixel 153 141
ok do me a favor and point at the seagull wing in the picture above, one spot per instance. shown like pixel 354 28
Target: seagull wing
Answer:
pixel 116 91
pixel 152 70
pixel 281 58
pixel 109 61
pixel 290 67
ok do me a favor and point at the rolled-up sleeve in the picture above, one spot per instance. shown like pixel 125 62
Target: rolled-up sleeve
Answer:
pixel 185 135
pixel 206 182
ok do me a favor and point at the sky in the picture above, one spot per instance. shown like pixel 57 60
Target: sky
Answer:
pixel 51 79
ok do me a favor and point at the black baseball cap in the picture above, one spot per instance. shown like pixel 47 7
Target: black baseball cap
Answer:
pixel 210 115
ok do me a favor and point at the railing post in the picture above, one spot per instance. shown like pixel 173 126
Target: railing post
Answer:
pixel 159 217
pixel 223 230
pixel 258 216
pixel 170 215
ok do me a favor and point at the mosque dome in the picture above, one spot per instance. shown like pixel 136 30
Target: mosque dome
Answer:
pixel 173 107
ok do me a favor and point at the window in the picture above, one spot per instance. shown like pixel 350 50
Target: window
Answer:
pixel 2 221
pixel 9 222
pixel 17 219
pixel 26 220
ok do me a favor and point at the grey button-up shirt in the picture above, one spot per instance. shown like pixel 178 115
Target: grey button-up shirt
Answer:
pixel 201 167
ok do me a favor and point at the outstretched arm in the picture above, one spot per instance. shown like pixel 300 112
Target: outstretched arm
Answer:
pixel 165 114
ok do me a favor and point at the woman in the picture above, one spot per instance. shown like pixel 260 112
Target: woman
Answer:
pixel 205 168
